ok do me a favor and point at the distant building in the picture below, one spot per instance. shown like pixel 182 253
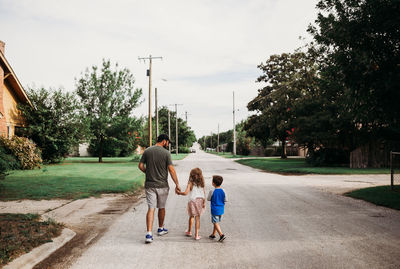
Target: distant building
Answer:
pixel 11 94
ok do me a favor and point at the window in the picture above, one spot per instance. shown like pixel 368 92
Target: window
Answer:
pixel 9 131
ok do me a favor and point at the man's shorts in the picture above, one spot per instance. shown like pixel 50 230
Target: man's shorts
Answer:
pixel 216 218
pixel 157 197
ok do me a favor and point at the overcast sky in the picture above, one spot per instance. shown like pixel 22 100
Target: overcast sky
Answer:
pixel 209 47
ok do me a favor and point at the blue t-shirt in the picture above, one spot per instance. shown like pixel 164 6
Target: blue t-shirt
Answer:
pixel 218 202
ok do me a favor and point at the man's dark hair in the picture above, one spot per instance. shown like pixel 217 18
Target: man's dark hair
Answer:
pixel 162 137
pixel 217 180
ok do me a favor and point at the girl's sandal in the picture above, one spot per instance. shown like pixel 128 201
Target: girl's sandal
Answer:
pixel 198 237
pixel 187 233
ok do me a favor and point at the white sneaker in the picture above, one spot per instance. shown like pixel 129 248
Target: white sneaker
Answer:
pixel 162 231
pixel 149 238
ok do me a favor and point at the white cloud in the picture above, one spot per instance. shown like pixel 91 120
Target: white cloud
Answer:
pixel 210 48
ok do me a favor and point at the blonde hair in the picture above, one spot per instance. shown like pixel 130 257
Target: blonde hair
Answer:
pixel 196 177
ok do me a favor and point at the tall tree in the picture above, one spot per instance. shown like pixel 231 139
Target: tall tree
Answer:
pixel 108 98
pixel 186 136
pixel 359 43
pixel 52 123
pixel 275 101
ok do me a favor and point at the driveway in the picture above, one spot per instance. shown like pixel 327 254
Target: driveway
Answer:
pixel 271 221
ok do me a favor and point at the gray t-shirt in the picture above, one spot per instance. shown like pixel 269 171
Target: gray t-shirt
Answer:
pixel 156 159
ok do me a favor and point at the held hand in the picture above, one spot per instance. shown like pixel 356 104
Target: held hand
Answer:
pixel 177 190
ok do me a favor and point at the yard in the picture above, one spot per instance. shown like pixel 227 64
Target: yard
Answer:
pixel 229 155
pixel 381 195
pixel 299 166
pixel 75 178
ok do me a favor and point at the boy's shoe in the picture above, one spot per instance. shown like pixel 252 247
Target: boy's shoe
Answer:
pixel 212 236
pixel 149 238
pixel 162 231
pixel 197 237
pixel 222 238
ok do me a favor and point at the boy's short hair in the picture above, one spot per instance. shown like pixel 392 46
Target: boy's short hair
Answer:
pixel 217 180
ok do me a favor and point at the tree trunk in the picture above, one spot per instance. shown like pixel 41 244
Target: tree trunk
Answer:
pixel 101 149
pixel 283 153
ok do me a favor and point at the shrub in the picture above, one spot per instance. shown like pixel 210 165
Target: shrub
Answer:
pixel 183 150
pixel 269 152
pixel 7 161
pixel 52 122
pixel 328 157
pixel 24 150
pixel 112 147
pixel 136 158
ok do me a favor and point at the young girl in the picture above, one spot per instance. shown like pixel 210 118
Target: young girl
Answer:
pixel 197 201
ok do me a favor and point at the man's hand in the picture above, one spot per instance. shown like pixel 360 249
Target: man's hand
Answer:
pixel 142 167
pixel 172 172
pixel 177 190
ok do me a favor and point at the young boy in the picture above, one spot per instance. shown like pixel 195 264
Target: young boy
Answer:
pixel 218 198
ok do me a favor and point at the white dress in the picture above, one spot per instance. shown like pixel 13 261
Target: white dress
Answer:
pixel 196 201
pixel 196 192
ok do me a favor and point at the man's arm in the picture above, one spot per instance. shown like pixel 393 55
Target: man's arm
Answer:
pixel 172 172
pixel 142 167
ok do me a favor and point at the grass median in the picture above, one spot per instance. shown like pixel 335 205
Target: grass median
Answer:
pixel 381 195
pixel 299 166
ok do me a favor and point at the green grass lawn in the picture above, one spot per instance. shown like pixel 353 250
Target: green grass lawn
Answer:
pixel 230 155
pixel 381 195
pixel 174 157
pixel 178 157
pixel 299 166
pixel 75 178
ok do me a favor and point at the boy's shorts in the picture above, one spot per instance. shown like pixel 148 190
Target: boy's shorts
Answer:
pixel 216 218
pixel 157 197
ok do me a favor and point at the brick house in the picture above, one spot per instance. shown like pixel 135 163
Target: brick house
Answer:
pixel 11 94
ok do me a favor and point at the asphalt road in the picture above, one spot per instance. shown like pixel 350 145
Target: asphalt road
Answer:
pixel 271 221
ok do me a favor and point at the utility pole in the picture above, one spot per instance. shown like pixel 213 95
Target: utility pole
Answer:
pixel 169 129
pixel 157 130
pixel 186 116
pixel 150 58
pixel 176 128
pixel 211 137
pixel 218 140
pixel 234 127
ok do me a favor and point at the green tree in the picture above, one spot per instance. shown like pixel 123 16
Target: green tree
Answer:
pixel 244 142
pixel 108 99
pixel 256 126
pixel 122 138
pixel 358 43
pixel 52 123
pixel 186 136
pixel 275 101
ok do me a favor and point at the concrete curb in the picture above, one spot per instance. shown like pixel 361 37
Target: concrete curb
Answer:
pixel 40 253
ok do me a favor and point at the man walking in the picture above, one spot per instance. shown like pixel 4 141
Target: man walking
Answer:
pixel 156 163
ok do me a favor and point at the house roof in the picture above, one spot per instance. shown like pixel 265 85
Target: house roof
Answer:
pixel 11 78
